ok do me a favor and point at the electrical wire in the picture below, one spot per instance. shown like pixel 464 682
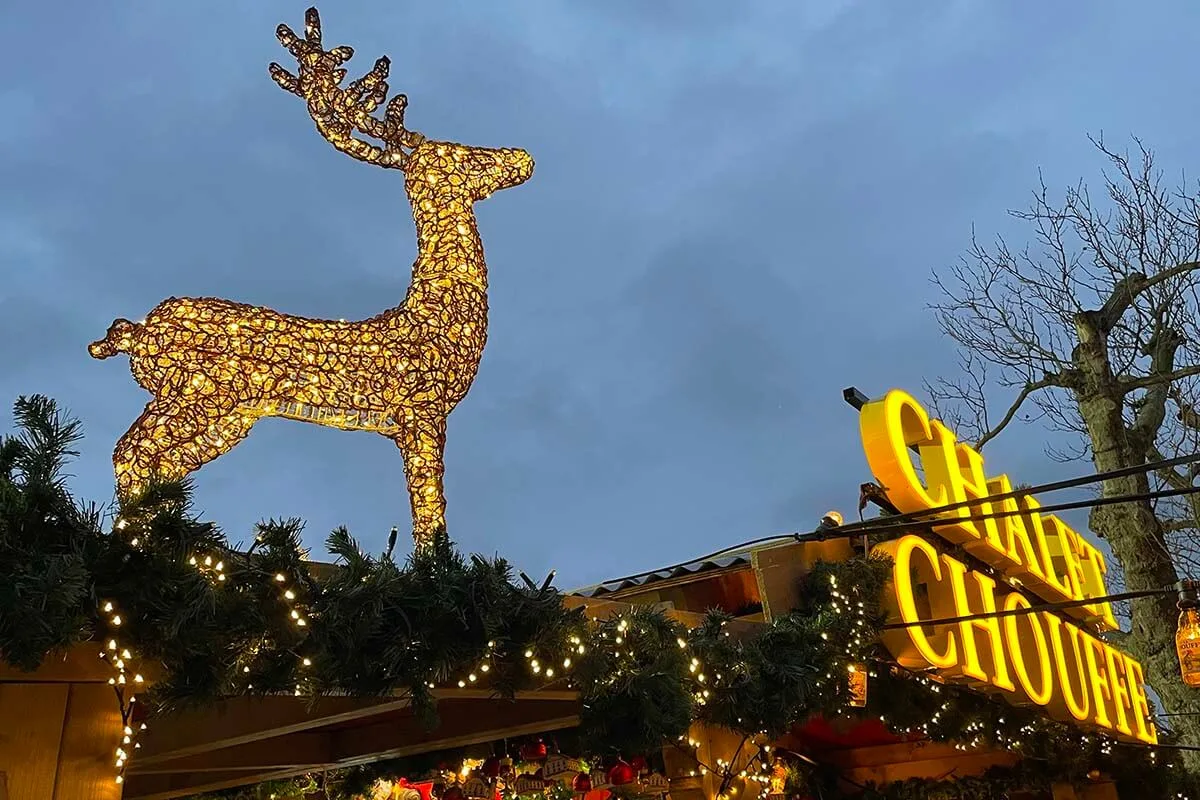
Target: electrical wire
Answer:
pixel 888 525
pixel 1014 612
pixel 1054 486
pixel 910 520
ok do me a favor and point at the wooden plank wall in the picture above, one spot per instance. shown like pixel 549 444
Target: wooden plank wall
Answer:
pixel 57 735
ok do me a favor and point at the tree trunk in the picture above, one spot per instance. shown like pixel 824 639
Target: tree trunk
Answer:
pixel 1137 540
pixel 1135 536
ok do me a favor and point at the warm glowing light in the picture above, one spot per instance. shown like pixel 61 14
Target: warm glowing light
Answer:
pixel 1038 550
pixel 1036 658
pixel 1187 645
pixel 1057 665
pixel 216 367
pixel 857 682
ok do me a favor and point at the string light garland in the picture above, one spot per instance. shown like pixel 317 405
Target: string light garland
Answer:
pixel 377 627
pixel 216 367
pixel 126 683
pixel 1187 636
pixel 909 704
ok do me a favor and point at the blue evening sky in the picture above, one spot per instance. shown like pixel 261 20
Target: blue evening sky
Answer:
pixel 735 213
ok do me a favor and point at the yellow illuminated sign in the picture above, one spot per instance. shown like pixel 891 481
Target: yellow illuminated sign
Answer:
pixel 1037 658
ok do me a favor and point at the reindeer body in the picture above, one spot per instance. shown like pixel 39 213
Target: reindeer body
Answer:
pixel 353 375
pixel 215 367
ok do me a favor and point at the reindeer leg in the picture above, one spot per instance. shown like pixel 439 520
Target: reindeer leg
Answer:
pixel 423 444
pixel 219 438
pixel 139 455
pixel 172 438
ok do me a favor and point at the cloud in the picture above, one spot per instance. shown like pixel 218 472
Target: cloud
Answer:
pixel 734 215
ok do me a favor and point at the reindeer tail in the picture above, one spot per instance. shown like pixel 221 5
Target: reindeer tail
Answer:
pixel 119 339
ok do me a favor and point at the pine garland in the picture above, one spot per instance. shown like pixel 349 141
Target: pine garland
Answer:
pixel 219 622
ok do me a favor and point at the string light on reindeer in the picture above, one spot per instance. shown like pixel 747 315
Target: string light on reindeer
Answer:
pixel 216 367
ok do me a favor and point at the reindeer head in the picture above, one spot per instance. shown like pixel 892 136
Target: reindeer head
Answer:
pixel 456 170
pixel 441 168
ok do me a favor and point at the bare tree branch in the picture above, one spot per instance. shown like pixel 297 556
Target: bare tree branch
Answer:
pixel 1029 388
pixel 1094 325
pixel 1129 384
pixel 1131 286
pixel 1152 406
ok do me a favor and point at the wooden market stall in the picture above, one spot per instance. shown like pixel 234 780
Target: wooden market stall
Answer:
pixel 59 725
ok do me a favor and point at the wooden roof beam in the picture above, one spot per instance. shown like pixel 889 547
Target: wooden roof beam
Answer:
pixel 464 723
pixel 239 721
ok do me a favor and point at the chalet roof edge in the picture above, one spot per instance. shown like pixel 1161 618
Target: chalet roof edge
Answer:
pixel 726 559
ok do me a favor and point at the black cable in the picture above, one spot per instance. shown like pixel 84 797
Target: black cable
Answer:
pixel 903 522
pixel 888 523
pixel 1013 612
pixel 1054 486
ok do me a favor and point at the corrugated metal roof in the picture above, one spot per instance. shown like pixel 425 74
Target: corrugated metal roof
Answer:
pixel 725 561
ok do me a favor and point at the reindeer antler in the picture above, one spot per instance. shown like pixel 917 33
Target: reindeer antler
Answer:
pixel 339 111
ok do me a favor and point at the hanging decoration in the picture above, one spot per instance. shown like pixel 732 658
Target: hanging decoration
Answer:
pixel 557 777
pixel 654 785
pixel 857 683
pixel 559 768
pixel 216 367
pixel 777 782
pixel 598 778
pixel 477 788
pixel 1187 635
pixel 622 774
pixel 534 751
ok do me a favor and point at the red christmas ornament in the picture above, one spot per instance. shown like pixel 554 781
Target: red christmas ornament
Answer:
pixel 453 793
pixel 534 751
pixel 639 764
pixel 491 768
pixel 622 774
pixel 582 783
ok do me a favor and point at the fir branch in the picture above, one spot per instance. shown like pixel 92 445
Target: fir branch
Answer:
pixel 218 623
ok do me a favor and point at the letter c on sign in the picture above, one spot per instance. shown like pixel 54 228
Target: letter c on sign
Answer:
pixel 888 426
pixel 911 646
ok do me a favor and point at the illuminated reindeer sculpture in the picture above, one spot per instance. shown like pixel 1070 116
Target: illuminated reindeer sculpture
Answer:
pixel 216 367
